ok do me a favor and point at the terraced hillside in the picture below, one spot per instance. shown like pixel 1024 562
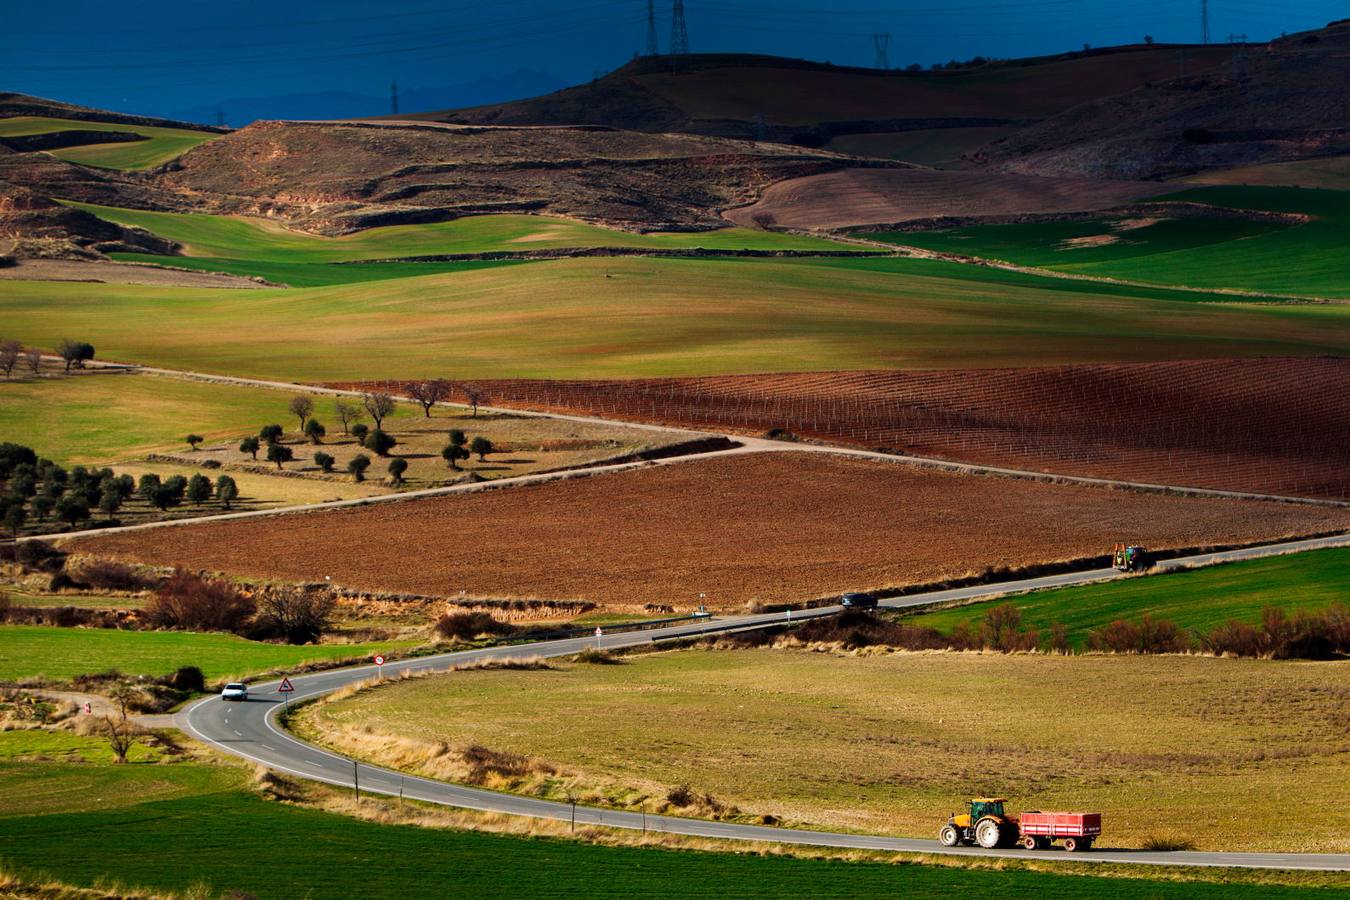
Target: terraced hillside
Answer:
pixel 1274 426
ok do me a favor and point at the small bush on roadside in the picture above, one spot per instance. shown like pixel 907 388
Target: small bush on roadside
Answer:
pixel 187 600
pixel 1167 843
pixel 680 796
pixel 595 657
pixel 1149 635
pixel 465 626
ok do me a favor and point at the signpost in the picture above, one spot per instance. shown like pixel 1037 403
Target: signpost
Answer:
pixel 599 632
pixel 285 690
pixel 379 664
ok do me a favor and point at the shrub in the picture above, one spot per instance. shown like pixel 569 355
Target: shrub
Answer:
pixel 315 431
pixel 190 601
pixel 271 433
pixel 481 446
pixel 250 445
pixel 1148 636
pixel 597 657
pixel 298 616
pixel 1167 843
pixel 114 576
pixel 189 679
pixel 465 626
pixel 357 465
pixel 324 461
pixel 680 796
pixel 192 440
pixel 381 442
pixel 279 453
pixel 359 431
pixel 396 469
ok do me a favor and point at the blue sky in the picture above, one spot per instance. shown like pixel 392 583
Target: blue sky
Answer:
pixel 155 56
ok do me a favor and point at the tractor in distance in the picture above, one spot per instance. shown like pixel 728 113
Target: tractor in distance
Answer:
pixel 984 823
pixel 1131 558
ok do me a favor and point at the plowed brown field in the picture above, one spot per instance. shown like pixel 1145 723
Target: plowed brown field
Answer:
pixel 766 526
pixel 1272 426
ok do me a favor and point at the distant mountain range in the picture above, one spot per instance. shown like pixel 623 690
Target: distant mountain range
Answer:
pixel 240 111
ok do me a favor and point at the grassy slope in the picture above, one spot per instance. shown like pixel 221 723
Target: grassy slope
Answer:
pixel 163 144
pixel 599 317
pixel 302 274
pixel 62 653
pixel 1160 745
pixel 1199 599
pixel 236 237
pixel 101 418
pixel 1307 259
pixel 139 824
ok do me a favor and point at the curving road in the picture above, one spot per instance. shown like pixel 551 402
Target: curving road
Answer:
pixel 249 730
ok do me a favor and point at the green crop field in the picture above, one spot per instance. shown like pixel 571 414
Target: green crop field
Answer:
pixel 1199 599
pixel 890 742
pixel 1306 259
pixel 28 651
pixel 645 316
pixel 162 144
pixel 103 417
pixel 303 274
pixel 186 826
pixel 237 237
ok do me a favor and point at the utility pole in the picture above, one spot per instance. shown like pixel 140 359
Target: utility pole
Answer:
pixel 652 48
pixel 882 42
pixel 679 33
pixel 220 117
pixel 1204 21
pixel 393 97
pixel 356 781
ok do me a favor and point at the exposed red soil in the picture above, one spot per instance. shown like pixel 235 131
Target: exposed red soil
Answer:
pixel 885 196
pixel 1273 426
pixel 766 526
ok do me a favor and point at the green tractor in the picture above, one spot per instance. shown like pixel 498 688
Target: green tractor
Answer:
pixel 985 824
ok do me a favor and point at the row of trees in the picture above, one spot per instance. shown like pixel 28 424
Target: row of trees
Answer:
pixel 34 489
pixel 73 353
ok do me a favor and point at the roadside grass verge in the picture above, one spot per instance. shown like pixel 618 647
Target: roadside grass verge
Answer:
pixel 60 654
pixel 162 144
pixel 1206 750
pixel 1199 599
pixel 578 318
pixel 239 842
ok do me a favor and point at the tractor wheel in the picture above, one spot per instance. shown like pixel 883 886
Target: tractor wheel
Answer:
pixel 1072 844
pixel 949 836
pixel 988 834
pixel 1030 843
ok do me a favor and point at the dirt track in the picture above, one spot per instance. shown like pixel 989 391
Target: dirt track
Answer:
pixel 766 526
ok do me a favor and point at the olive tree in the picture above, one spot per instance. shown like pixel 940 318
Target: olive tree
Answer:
pixel 250 445
pixel 379 406
pixel 199 489
pixel 348 413
pixel 481 446
pixel 192 440
pixel 279 453
pixel 357 465
pixel 397 467
pixel 226 490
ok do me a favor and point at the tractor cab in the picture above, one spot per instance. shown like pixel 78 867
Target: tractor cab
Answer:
pixel 1130 558
pixel 985 824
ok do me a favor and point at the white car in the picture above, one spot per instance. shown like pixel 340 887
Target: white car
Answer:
pixel 234 691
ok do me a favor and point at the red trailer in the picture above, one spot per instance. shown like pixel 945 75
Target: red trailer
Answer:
pixel 1077 830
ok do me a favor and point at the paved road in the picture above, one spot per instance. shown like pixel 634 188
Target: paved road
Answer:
pixel 249 730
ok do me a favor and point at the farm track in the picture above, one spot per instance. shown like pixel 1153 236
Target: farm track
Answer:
pixel 251 731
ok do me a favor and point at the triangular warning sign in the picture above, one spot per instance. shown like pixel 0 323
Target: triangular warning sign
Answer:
pixel 285 686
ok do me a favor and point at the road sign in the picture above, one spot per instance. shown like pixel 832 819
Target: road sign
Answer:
pixel 379 660
pixel 599 631
pixel 286 686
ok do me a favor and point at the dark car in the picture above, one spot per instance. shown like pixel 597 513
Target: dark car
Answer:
pixel 858 601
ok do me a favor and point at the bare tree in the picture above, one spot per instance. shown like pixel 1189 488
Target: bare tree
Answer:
pixel 300 616
pixel 378 405
pixel 32 358
pixel 348 414
pixel 429 393
pixel 301 406
pixel 75 353
pixel 9 356
pixel 118 728
pixel 475 395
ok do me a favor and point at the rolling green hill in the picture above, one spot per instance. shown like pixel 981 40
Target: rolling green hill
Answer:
pixel 1305 259
pixel 648 316
pixel 160 146
pixel 1198 598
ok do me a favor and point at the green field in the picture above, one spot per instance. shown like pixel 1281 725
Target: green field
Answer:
pixel 162 144
pixel 303 274
pixel 239 237
pixel 645 316
pixel 28 651
pixel 1304 260
pixel 105 417
pixel 888 743
pixel 1199 599
pixel 192 827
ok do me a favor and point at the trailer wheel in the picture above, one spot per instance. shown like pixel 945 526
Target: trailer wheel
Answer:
pixel 1072 844
pixel 1030 843
pixel 949 836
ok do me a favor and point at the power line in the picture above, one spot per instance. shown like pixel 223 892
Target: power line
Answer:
pixel 652 48
pixel 1204 21
pixel 882 42
pixel 679 33
pixel 393 97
